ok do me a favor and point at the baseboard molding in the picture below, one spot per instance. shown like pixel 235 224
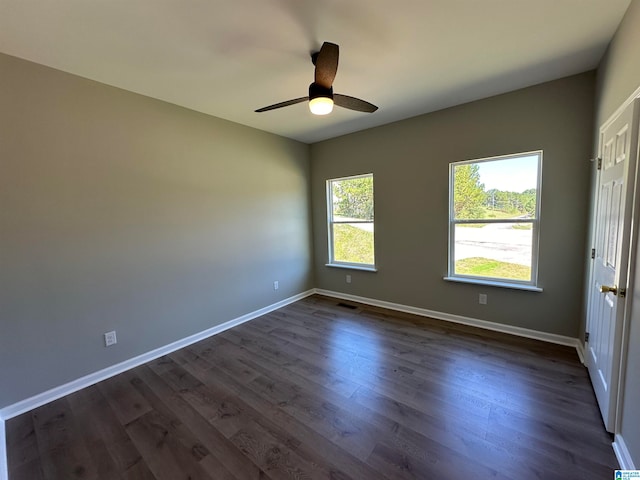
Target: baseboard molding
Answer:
pixel 4 469
pixel 93 378
pixel 474 322
pixel 622 454
pixel 580 350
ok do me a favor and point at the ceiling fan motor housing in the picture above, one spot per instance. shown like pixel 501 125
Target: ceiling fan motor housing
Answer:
pixel 316 91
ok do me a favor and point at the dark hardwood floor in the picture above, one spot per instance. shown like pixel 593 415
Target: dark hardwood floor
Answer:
pixel 317 391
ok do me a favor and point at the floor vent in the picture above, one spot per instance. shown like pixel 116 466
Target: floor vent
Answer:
pixel 346 305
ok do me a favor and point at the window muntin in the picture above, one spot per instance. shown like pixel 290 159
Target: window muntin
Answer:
pixel 350 221
pixel 494 215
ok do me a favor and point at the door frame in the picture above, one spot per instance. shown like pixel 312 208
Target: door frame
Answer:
pixel 633 233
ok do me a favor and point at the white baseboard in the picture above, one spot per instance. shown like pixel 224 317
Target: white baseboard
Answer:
pixel 4 469
pixel 622 454
pixel 93 378
pixel 474 322
pixel 580 350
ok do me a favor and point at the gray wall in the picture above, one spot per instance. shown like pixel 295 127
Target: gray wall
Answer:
pixel 124 213
pixel 618 78
pixel 409 160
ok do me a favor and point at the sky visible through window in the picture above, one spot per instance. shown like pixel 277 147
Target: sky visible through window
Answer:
pixel 512 175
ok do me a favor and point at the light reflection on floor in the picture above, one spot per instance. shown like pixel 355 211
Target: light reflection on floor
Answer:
pixel 492 400
pixel 355 351
pixel 481 397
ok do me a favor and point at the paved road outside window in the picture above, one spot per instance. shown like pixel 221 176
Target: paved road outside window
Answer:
pixel 496 241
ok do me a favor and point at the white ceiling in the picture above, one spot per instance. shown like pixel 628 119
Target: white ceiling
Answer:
pixel 227 58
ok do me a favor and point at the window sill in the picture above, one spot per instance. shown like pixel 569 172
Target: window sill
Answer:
pixel 352 267
pixel 493 283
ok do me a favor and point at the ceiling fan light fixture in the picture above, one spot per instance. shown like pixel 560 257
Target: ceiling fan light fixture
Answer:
pixel 321 105
pixel 320 99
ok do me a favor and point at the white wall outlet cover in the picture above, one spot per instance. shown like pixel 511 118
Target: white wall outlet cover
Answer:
pixel 110 339
pixel 482 299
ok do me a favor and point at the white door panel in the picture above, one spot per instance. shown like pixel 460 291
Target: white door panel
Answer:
pixel 612 219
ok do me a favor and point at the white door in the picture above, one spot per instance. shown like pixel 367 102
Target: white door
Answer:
pixel 607 289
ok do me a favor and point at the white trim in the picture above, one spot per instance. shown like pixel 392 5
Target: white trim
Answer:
pixel 631 273
pixel 93 378
pixel 474 322
pixel 619 110
pixel 4 468
pixel 622 453
pixel 350 266
pixel 493 283
pixel 580 350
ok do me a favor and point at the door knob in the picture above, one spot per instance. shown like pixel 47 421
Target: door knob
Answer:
pixel 605 289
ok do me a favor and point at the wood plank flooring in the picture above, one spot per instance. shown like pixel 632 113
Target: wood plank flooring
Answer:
pixel 319 391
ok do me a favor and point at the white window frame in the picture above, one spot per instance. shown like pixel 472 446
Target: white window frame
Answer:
pixel 535 225
pixel 331 222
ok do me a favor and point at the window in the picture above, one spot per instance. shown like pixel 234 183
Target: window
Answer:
pixel 494 216
pixel 350 222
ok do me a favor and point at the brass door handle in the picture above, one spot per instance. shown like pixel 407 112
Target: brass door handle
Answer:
pixel 605 289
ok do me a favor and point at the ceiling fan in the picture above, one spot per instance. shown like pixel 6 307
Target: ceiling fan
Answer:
pixel 321 97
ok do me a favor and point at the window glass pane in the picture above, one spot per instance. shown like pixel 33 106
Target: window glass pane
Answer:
pixel 352 199
pixel 353 243
pixel 496 189
pixel 497 250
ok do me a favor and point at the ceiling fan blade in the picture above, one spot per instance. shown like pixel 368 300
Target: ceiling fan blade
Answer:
pixel 283 104
pixel 353 103
pixel 326 63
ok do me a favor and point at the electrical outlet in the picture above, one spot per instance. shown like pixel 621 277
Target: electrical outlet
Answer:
pixel 348 278
pixel 276 285
pixel 110 339
pixel 482 299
